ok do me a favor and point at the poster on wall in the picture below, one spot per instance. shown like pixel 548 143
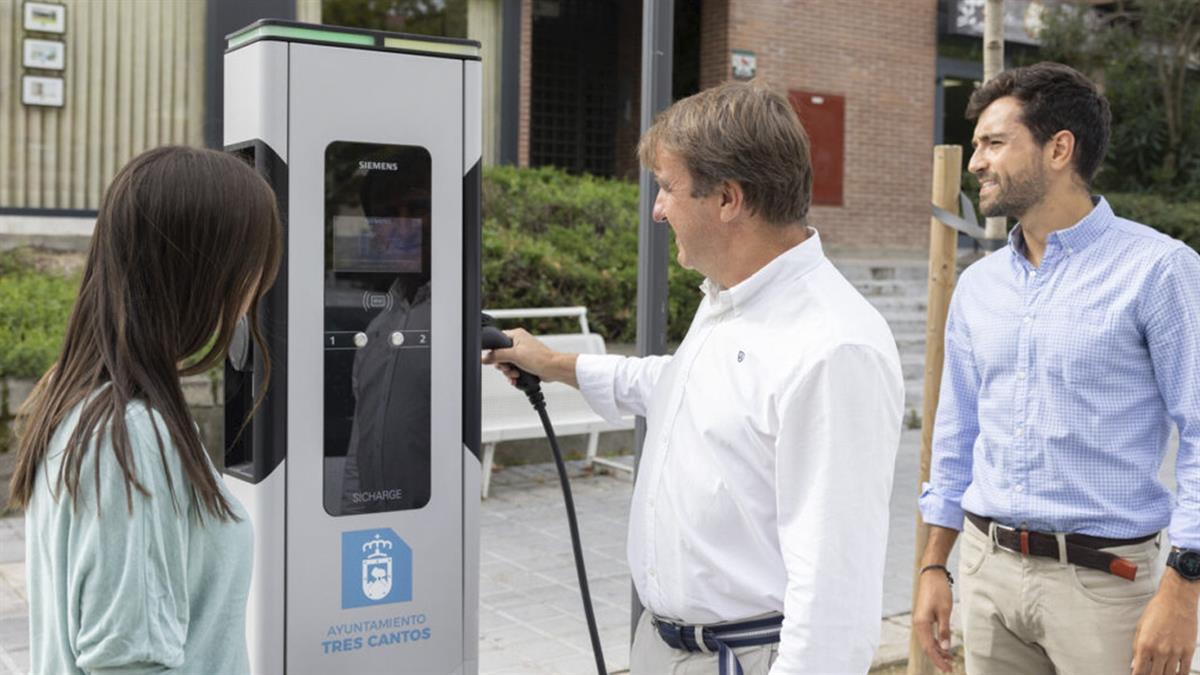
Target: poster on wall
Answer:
pixel 745 64
pixel 43 91
pixel 45 54
pixel 45 17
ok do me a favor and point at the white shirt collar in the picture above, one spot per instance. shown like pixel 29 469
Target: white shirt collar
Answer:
pixel 794 262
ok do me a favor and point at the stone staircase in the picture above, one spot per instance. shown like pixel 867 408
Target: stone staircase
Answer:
pixel 897 285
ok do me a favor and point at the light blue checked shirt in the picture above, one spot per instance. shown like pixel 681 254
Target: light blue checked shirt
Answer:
pixel 1061 381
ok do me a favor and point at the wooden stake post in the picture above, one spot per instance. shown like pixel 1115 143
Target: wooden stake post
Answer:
pixel 947 181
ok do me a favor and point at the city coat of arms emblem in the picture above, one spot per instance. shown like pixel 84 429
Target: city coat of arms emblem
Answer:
pixel 376 568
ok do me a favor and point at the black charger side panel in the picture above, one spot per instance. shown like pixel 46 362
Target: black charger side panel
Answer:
pixel 250 454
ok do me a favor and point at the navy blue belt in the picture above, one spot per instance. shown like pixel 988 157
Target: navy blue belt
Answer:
pixel 721 639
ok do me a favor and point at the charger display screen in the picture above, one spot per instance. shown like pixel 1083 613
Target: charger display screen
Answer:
pixel 378 311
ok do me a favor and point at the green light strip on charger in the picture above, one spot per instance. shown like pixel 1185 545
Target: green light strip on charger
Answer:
pixel 436 47
pixel 301 34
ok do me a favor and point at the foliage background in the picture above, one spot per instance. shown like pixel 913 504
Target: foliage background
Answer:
pixel 34 306
pixel 1139 53
pixel 551 239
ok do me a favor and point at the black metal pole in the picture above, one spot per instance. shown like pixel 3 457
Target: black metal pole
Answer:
pixel 657 49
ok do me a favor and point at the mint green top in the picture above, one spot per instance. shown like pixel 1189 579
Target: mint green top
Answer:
pixel 148 592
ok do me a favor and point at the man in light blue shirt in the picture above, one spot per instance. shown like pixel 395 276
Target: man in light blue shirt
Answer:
pixel 1069 353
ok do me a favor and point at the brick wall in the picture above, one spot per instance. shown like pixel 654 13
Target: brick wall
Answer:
pixel 629 90
pixel 526 70
pixel 882 57
pixel 714 42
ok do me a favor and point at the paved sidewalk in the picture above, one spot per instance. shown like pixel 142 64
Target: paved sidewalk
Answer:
pixel 531 619
pixel 14 610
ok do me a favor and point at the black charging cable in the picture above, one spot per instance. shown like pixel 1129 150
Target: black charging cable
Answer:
pixel 493 338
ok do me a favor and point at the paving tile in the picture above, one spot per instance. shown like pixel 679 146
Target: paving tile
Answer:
pixel 523 669
pixel 502 600
pixel 570 603
pixel 14 661
pixel 12 604
pixel 893 643
pixel 577 665
pixel 612 615
pixel 489 619
pixel 12 548
pixel 548 649
pixel 564 575
pixel 496 659
pixel 533 612
pixel 15 524
pixel 511 635
pixel 14 632
pixel 616 642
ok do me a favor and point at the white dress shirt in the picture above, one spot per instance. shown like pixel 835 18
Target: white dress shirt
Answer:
pixel 767 466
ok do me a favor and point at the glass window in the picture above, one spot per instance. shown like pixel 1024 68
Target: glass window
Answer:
pixel 441 18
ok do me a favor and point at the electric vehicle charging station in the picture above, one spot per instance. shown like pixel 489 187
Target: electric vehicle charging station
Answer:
pixel 360 471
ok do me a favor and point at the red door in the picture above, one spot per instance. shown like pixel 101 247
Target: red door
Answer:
pixel 824 118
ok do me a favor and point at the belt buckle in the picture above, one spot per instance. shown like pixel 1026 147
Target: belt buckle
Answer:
pixel 670 632
pixel 1022 537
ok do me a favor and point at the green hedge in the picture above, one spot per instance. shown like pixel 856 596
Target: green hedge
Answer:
pixel 1178 219
pixel 34 307
pixel 551 239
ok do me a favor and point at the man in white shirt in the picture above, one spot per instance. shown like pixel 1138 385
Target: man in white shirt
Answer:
pixel 759 520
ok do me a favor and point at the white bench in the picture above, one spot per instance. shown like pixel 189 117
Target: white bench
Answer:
pixel 507 414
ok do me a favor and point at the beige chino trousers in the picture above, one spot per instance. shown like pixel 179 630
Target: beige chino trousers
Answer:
pixel 1028 615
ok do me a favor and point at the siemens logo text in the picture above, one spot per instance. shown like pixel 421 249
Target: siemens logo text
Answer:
pixel 378 166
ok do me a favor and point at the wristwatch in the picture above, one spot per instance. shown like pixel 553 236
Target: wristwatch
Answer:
pixel 1186 562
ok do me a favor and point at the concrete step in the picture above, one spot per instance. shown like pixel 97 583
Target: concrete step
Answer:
pixel 911 302
pixel 914 395
pixel 872 289
pixel 883 270
pixel 910 323
pixel 913 366
pixel 910 342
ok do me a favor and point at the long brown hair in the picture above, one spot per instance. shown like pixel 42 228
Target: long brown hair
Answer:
pixel 184 239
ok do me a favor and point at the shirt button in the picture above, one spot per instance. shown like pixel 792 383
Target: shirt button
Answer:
pixel 1020 374
pixel 1033 273
pixel 1018 488
pixel 1020 432
pixel 1027 319
pixel 651 572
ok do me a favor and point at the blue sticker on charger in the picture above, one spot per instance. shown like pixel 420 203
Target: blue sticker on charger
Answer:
pixel 376 568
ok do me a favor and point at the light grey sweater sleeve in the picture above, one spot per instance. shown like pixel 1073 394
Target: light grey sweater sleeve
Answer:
pixel 127 570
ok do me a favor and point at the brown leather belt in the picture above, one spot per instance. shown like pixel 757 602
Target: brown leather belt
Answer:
pixel 1082 549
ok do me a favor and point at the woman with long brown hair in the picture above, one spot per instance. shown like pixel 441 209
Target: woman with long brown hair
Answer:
pixel 137 557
